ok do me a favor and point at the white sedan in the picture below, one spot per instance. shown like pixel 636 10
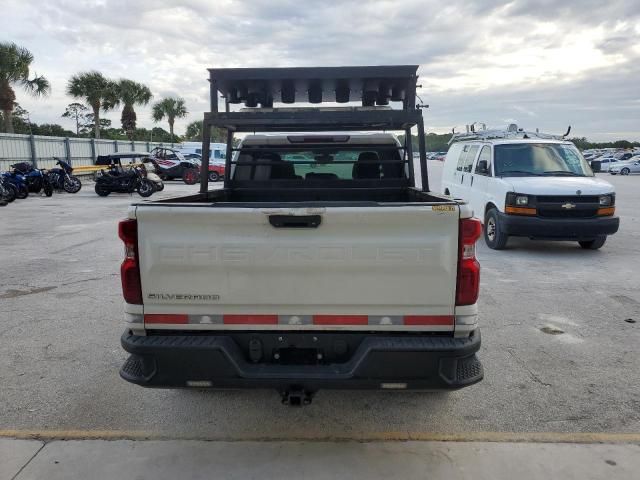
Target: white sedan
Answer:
pixel 625 168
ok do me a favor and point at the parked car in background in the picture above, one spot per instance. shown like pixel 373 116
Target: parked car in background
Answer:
pixel 626 168
pixel 171 164
pixel 606 162
pixel 217 157
pixel 217 151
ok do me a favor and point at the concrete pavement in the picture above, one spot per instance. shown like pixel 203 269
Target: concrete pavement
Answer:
pixel 184 459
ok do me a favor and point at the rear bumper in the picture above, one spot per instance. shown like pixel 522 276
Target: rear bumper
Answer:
pixel 411 362
pixel 558 228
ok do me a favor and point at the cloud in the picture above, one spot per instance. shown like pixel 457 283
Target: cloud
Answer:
pixel 537 60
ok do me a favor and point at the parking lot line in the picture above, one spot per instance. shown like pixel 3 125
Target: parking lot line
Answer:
pixel 514 437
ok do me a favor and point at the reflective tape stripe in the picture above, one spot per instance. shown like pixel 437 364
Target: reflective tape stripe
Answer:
pixel 250 319
pixel 386 320
pixel 440 321
pixel 340 319
pixel 165 318
pixel 295 320
pixel 428 320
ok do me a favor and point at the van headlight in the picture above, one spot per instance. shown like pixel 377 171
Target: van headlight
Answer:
pixel 606 200
pixel 522 200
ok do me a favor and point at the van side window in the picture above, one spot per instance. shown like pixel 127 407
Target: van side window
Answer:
pixel 485 155
pixel 461 158
pixel 471 156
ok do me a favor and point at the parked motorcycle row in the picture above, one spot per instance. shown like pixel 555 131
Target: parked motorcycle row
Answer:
pixel 23 179
pixel 144 174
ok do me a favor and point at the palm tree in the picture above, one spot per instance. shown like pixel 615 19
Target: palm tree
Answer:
pixel 14 70
pixel 131 93
pixel 96 90
pixel 171 108
pixel 194 133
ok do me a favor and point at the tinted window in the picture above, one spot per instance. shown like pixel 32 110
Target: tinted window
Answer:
pixel 485 155
pixel 461 158
pixel 471 156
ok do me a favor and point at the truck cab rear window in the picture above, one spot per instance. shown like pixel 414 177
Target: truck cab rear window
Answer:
pixel 320 164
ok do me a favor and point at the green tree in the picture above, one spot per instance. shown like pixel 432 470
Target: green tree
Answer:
pixel 15 62
pixel 131 93
pixel 51 130
pixel 19 119
pixel 96 90
pixel 75 111
pixel 88 124
pixel 194 133
pixel 622 144
pixel 171 108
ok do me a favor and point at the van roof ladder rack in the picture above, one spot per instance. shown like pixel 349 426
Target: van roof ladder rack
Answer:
pixel 511 132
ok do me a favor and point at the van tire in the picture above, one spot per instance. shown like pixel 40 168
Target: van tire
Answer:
pixel 494 237
pixel 594 244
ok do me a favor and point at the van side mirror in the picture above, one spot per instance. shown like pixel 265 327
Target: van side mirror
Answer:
pixel 483 167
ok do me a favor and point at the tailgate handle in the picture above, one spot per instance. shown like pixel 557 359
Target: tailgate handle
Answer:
pixel 295 221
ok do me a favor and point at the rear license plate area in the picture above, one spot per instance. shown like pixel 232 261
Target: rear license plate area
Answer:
pixel 297 356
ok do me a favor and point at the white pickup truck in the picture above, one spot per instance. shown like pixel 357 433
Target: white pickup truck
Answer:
pixel 344 276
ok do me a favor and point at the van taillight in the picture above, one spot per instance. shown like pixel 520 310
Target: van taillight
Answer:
pixel 468 285
pixel 129 270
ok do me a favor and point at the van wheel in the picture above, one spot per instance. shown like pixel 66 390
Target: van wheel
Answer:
pixel 495 238
pixel 594 244
pixel 213 176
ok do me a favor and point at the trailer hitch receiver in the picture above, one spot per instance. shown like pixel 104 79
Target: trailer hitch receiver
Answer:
pixel 296 397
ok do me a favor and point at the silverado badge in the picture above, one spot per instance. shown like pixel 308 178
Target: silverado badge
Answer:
pixel 568 206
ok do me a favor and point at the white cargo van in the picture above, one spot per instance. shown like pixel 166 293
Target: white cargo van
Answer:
pixel 529 184
pixel 217 152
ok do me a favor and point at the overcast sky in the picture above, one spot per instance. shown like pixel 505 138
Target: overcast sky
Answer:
pixel 540 63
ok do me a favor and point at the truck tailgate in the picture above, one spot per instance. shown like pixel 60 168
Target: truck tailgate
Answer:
pixel 204 267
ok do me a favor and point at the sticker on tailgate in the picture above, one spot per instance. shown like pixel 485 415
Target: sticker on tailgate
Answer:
pixel 443 208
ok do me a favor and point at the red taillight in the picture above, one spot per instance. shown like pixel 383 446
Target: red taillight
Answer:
pixel 468 285
pixel 129 270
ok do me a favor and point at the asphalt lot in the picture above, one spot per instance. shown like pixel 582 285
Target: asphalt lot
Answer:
pixel 61 320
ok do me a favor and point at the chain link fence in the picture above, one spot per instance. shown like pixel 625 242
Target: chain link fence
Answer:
pixel 40 151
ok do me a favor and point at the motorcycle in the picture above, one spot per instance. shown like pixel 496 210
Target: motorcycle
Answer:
pixel 10 191
pixel 3 196
pixel 120 180
pixel 153 175
pixel 61 178
pixel 37 180
pixel 19 183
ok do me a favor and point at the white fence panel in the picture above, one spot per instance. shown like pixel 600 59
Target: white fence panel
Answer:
pixel 14 148
pixel 78 151
pixel 124 146
pixel 105 147
pixel 47 148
